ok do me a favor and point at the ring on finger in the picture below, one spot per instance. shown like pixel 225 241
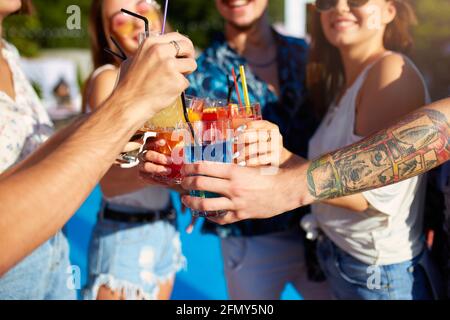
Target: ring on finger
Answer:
pixel 177 47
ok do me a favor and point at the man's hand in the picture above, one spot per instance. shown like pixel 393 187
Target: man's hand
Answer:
pixel 154 78
pixel 247 192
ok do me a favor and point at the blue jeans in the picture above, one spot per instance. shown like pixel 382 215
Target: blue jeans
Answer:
pixel 351 279
pixel 133 258
pixel 43 275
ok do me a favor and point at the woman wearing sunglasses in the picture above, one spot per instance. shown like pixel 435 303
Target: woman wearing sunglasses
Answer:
pixel 371 244
pixel 135 249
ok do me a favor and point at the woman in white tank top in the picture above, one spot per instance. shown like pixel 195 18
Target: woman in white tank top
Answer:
pixel 372 242
pixel 135 249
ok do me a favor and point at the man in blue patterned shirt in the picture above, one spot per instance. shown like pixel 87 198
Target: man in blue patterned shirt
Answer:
pixel 262 256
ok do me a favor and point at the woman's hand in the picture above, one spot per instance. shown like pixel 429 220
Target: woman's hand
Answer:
pixel 153 169
pixel 259 143
pixel 154 166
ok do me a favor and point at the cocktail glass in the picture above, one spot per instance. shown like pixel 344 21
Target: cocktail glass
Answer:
pixel 167 125
pixel 212 142
pixel 243 115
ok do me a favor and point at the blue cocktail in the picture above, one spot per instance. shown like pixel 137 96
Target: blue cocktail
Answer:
pixel 213 143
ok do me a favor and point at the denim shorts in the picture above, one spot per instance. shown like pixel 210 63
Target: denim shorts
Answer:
pixel 133 258
pixel 351 279
pixel 43 275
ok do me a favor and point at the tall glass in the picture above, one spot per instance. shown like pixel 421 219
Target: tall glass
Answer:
pixel 212 141
pixel 167 126
pixel 170 117
pixel 241 116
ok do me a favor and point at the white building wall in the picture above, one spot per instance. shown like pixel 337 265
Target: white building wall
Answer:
pixel 295 17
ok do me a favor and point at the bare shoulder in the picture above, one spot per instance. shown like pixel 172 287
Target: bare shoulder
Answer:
pixel 392 89
pixel 102 86
pixel 106 76
pixel 395 70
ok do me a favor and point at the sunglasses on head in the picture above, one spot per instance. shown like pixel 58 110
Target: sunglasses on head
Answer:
pixel 124 24
pixel 325 5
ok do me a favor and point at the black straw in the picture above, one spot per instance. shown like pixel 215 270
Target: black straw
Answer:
pixel 114 54
pixel 122 56
pixel 122 52
pixel 146 23
pixel 186 116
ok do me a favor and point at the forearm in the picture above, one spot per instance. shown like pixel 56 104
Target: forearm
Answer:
pixel 52 189
pixel 414 146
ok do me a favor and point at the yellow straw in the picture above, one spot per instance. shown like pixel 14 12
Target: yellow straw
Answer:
pixel 244 86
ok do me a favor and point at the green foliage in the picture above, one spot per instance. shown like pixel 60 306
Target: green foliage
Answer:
pixel 197 18
pixel 200 20
pixel 47 28
pixel 276 10
pixel 53 16
pixel 21 31
pixel 432 44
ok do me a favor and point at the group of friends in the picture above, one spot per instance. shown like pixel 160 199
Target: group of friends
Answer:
pixel 357 133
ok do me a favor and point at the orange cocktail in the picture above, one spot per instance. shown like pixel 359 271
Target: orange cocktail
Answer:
pixel 164 125
pixel 242 115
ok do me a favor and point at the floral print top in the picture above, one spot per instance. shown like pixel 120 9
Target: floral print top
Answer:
pixel 24 122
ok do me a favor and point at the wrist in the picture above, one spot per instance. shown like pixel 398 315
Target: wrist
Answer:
pixel 296 174
pixel 128 109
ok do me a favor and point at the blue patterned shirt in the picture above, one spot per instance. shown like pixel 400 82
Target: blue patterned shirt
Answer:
pixel 291 111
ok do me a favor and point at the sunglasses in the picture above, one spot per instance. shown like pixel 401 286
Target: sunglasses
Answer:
pixel 125 25
pixel 325 5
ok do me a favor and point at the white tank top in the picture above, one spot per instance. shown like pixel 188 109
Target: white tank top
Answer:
pixel 150 198
pixel 390 230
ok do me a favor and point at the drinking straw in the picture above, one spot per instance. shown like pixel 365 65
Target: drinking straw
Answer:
pixel 146 23
pixel 186 117
pixel 245 88
pixel 236 86
pixel 230 87
pixel 115 54
pixel 122 54
pixel 165 17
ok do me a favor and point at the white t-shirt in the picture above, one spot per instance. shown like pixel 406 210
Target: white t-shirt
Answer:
pixel 390 230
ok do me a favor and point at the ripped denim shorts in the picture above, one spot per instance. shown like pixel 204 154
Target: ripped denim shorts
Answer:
pixel 133 258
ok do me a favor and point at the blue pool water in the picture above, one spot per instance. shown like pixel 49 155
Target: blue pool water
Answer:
pixel 203 278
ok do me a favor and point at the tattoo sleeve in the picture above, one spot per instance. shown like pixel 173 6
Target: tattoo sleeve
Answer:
pixel 415 145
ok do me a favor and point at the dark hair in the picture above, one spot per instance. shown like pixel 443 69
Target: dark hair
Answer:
pixel 99 42
pixel 325 70
pixel 97 36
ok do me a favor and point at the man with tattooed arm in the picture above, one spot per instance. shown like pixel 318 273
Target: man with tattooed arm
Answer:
pixel 413 146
